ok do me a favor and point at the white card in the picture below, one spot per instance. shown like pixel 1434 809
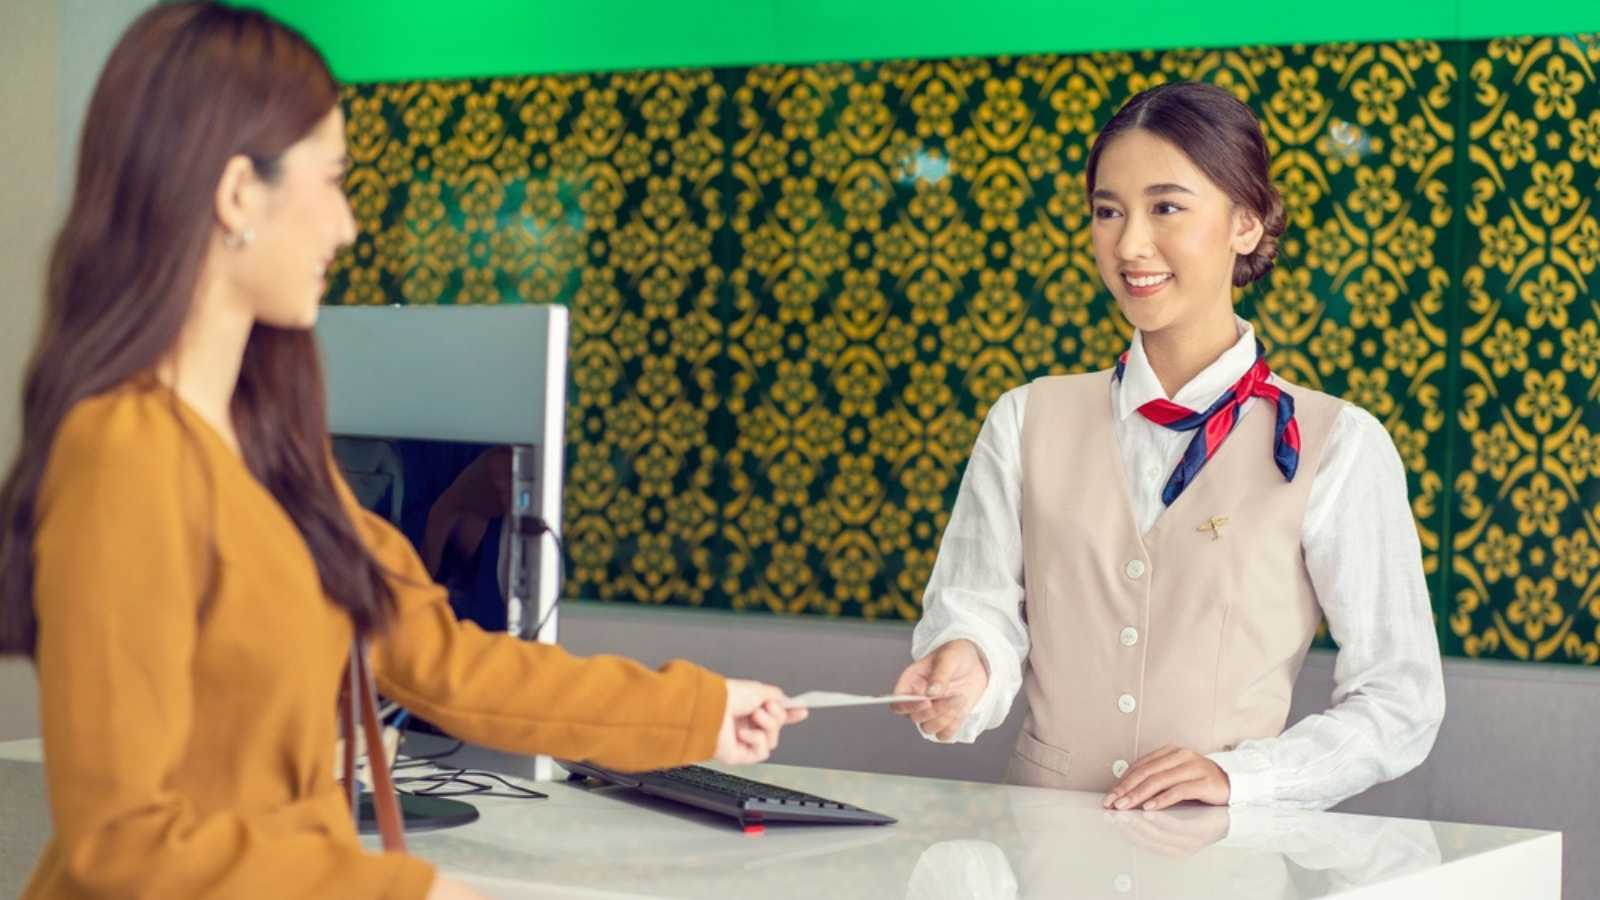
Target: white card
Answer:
pixel 825 699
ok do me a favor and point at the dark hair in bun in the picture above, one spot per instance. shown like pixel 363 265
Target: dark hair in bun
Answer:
pixel 1224 140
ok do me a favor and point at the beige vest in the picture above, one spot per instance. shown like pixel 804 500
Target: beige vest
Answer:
pixel 1179 636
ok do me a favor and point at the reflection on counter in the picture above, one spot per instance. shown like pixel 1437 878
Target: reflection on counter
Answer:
pixel 1057 850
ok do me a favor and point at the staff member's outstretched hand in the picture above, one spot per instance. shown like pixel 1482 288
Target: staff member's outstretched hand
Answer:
pixel 751 722
pixel 952 677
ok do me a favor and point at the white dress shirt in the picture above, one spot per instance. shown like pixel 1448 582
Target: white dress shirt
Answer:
pixel 1361 550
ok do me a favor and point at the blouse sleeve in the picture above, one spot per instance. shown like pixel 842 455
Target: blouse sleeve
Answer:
pixel 976 589
pixel 526 697
pixel 1365 561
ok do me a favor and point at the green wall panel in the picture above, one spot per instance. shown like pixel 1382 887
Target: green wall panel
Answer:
pixel 796 291
pixel 409 39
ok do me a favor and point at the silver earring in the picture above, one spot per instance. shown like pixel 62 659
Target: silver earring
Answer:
pixel 236 240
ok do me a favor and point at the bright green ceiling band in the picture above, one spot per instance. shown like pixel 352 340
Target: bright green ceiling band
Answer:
pixel 399 40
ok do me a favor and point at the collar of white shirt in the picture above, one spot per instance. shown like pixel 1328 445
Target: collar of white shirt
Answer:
pixel 1139 384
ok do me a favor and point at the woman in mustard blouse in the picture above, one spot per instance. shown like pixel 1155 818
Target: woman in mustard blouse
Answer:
pixel 178 554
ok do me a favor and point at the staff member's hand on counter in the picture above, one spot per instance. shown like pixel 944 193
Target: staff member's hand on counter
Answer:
pixel 1167 776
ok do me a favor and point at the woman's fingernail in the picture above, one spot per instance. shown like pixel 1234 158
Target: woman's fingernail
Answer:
pixel 1123 803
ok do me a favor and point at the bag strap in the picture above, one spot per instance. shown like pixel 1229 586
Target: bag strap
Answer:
pixel 361 701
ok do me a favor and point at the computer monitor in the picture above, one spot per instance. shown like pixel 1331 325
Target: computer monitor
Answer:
pixel 450 422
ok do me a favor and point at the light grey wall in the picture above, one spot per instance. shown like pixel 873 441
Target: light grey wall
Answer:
pixel 90 31
pixel 51 52
pixel 1520 745
pixel 28 163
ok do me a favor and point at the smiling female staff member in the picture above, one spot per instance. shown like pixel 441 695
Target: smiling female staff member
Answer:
pixel 179 555
pixel 1157 541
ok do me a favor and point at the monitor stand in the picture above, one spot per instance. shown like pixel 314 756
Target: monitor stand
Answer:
pixel 420 812
pixel 422 739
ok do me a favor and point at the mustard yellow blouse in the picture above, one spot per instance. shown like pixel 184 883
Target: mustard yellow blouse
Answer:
pixel 189 753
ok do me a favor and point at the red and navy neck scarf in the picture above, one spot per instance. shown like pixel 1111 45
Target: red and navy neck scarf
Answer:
pixel 1213 426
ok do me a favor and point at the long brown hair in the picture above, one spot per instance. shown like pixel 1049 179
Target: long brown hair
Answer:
pixel 1223 139
pixel 187 88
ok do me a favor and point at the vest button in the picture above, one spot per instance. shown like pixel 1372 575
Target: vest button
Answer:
pixel 1119 768
pixel 1123 884
pixel 1134 568
pixel 1126 703
pixel 1129 636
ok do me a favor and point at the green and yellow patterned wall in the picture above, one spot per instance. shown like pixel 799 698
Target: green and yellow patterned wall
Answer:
pixel 796 291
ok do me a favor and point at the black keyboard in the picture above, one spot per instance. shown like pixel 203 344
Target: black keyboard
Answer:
pixel 750 802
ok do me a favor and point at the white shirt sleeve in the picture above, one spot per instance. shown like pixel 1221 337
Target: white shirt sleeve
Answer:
pixel 1361 550
pixel 976 589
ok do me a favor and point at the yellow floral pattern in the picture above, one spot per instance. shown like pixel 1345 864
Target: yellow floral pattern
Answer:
pixel 797 290
pixel 1526 476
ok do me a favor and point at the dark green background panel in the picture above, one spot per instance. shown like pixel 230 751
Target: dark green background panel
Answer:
pixel 796 291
